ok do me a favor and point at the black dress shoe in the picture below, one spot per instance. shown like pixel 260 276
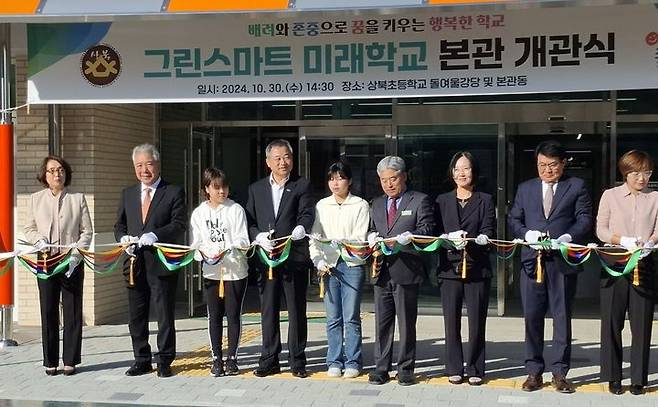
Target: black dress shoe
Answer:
pixel 301 373
pixel 378 377
pixel 264 372
pixel 614 387
pixel 139 369
pixel 51 371
pixel 637 389
pixel 164 370
pixel 532 383
pixel 406 379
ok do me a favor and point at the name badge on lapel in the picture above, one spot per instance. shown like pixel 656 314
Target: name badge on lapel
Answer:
pixel 406 213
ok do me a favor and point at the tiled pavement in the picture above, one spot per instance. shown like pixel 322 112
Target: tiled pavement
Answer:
pixel 107 354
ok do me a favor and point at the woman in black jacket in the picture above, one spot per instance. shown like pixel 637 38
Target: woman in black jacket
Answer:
pixel 465 212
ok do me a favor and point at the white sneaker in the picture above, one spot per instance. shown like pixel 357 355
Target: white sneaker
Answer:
pixel 351 372
pixel 334 372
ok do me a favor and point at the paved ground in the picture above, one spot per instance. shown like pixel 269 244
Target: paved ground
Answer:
pixel 107 354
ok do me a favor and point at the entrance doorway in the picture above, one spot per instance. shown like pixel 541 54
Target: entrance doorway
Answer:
pixel 588 157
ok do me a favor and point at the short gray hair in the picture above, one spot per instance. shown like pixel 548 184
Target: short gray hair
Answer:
pixel 391 162
pixel 277 143
pixel 148 149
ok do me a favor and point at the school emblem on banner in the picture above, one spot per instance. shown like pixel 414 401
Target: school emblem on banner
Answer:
pixel 100 65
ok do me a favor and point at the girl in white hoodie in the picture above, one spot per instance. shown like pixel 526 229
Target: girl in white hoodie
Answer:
pixel 220 224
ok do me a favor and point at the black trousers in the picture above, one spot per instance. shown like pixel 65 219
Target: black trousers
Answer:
pixel 556 293
pixel 393 299
pixel 475 294
pixel 162 292
pixel 617 296
pixel 71 294
pixel 231 306
pixel 291 279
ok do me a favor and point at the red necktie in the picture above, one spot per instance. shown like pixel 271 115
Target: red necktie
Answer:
pixel 392 211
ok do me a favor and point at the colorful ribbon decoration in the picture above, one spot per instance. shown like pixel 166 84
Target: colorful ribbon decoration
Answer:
pixel 276 257
pixel 174 257
pixel 49 266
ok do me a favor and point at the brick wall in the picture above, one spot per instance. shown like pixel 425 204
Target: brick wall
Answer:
pixel 96 141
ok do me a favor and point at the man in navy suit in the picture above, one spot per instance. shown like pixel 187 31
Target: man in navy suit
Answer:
pixel 280 205
pixel 151 211
pixel 399 213
pixel 559 207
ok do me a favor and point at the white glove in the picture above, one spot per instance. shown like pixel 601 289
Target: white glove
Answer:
pixel 457 234
pixel 532 236
pixel 555 243
pixel 263 240
pixel 565 238
pixel 646 249
pixel 41 245
pixel 73 263
pixel 322 265
pixel 335 244
pixel 629 243
pixel 482 239
pixel 373 238
pixel 128 239
pixel 147 239
pixel 298 233
pixel 592 245
pixel 443 236
pixel 404 238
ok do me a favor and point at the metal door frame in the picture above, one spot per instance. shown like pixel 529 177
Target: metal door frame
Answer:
pixel 188 157
pixel 335 131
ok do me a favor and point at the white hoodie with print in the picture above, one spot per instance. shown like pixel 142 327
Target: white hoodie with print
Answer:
pixel 217 229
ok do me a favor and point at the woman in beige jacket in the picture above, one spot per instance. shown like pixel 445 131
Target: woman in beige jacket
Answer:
pixel 341 217
pixel 56 218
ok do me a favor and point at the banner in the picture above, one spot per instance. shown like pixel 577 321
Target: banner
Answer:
pixel 415 52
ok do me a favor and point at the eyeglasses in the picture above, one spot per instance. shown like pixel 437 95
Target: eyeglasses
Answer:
pixel 54 171
pixel 466 170
pixel 645 174
pixel 553 165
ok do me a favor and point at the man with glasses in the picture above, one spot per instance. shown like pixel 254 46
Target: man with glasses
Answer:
pixel 557 207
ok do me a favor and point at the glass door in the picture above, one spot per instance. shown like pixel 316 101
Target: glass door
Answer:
pixel 427 150
pixel 362 147
pixel 587 145
pixel 185 153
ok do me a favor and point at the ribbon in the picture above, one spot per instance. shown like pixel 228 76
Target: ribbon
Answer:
pixel 278 255
pixel 174 258
pixel 47 268
pixel 575 256
pixel 625 261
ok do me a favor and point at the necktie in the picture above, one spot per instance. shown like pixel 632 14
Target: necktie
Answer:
pixel 548 199
pixel 392 211
pixel 146 204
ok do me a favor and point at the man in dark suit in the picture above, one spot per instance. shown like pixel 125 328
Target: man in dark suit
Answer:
pixel 280 205
pixel 151 211
pixel 553 205
pixel 399 213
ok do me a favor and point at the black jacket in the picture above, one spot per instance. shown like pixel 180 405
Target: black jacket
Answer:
pixel 296 208
pixel 478 217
